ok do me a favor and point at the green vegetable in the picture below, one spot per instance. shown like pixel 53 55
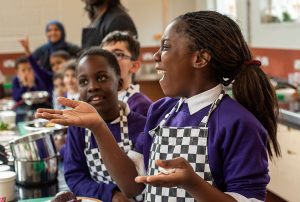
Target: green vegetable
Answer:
pixel 3 126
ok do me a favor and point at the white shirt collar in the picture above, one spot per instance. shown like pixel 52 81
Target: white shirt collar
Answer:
pixel 132 90
pixel 127 111
pixel 199 101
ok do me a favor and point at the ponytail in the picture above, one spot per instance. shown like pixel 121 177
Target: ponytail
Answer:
pixel 253 90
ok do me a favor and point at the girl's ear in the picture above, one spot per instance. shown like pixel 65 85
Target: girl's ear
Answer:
pixel 135 66
pixel 201 58
pixel 121 84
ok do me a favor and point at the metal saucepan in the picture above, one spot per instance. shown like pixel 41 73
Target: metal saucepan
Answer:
pixel 35 97
pixel 34 146
pixel 36 172
pixel 35 158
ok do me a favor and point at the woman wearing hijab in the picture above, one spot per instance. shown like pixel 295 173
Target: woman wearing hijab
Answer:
pixel 55 33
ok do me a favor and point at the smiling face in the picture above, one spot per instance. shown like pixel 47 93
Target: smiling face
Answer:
pixel 174 60
pixel 53 33
pixel 99 85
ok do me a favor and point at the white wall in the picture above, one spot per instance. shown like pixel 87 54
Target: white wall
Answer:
pixel 149 17
pixel 29 17
pixel 19 18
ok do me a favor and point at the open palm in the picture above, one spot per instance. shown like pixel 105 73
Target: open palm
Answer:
pixel 82 115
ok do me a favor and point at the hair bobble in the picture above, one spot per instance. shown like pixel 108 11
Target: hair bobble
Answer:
pixel 253 62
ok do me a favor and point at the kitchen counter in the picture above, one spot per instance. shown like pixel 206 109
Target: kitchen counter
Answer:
pixel 289 114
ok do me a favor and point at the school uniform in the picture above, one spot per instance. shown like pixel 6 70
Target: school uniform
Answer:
pixel 224 143
pixel 85 172
pixel 18 89
pixel 137 101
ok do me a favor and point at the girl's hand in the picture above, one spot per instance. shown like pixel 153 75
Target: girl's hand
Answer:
pixel 183 174
pixel 25 44
pixel 82 114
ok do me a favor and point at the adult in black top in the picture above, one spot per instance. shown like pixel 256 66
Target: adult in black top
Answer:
pixel 55 33
pixel 106 16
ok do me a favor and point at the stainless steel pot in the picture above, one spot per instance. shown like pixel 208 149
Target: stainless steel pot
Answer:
pixel 36 172
pixel 35 158
pixel 34 146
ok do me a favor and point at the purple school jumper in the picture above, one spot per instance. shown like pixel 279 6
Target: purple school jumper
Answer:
pixel 43 81
pixel 77 173
pixel 137 101
pixel 236 144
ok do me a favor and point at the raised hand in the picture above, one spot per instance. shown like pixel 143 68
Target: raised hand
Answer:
pixel 181 174
pixel 25 44
pixel 82 114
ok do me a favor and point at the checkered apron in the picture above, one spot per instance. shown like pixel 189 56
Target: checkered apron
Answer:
pixel 187 142
pixel 95 163
pixel 129 92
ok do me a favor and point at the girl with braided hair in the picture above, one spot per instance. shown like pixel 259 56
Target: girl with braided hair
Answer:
pixel 198 143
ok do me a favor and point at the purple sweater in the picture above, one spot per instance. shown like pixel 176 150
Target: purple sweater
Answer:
pixel 139 103
pixel 43 81
pixel 76 169
pixel 236 144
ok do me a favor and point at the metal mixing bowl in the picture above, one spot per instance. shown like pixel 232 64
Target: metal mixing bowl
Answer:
pixel 35 97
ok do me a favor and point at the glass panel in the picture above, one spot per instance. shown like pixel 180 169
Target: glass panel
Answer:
pixel 278 11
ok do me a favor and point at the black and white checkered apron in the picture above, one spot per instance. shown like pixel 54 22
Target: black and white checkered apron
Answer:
pixel 95 163
pixel 129 92
pixel 187 142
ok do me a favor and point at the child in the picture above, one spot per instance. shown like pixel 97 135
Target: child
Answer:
pixel 26 80
pixel 99 80
pixel 59 89
pixel 127 49
pixel 70 80
pixel 57 60
pixel 202 145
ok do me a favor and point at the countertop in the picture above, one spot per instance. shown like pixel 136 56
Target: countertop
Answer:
pixel 289 114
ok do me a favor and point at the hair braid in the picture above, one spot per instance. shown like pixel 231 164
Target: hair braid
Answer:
pixel 222 38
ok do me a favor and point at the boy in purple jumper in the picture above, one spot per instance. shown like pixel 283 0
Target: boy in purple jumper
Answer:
pixel 197 143
pixel 98 76
pixel 57 60
pixel 26 80
pixel 126 48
